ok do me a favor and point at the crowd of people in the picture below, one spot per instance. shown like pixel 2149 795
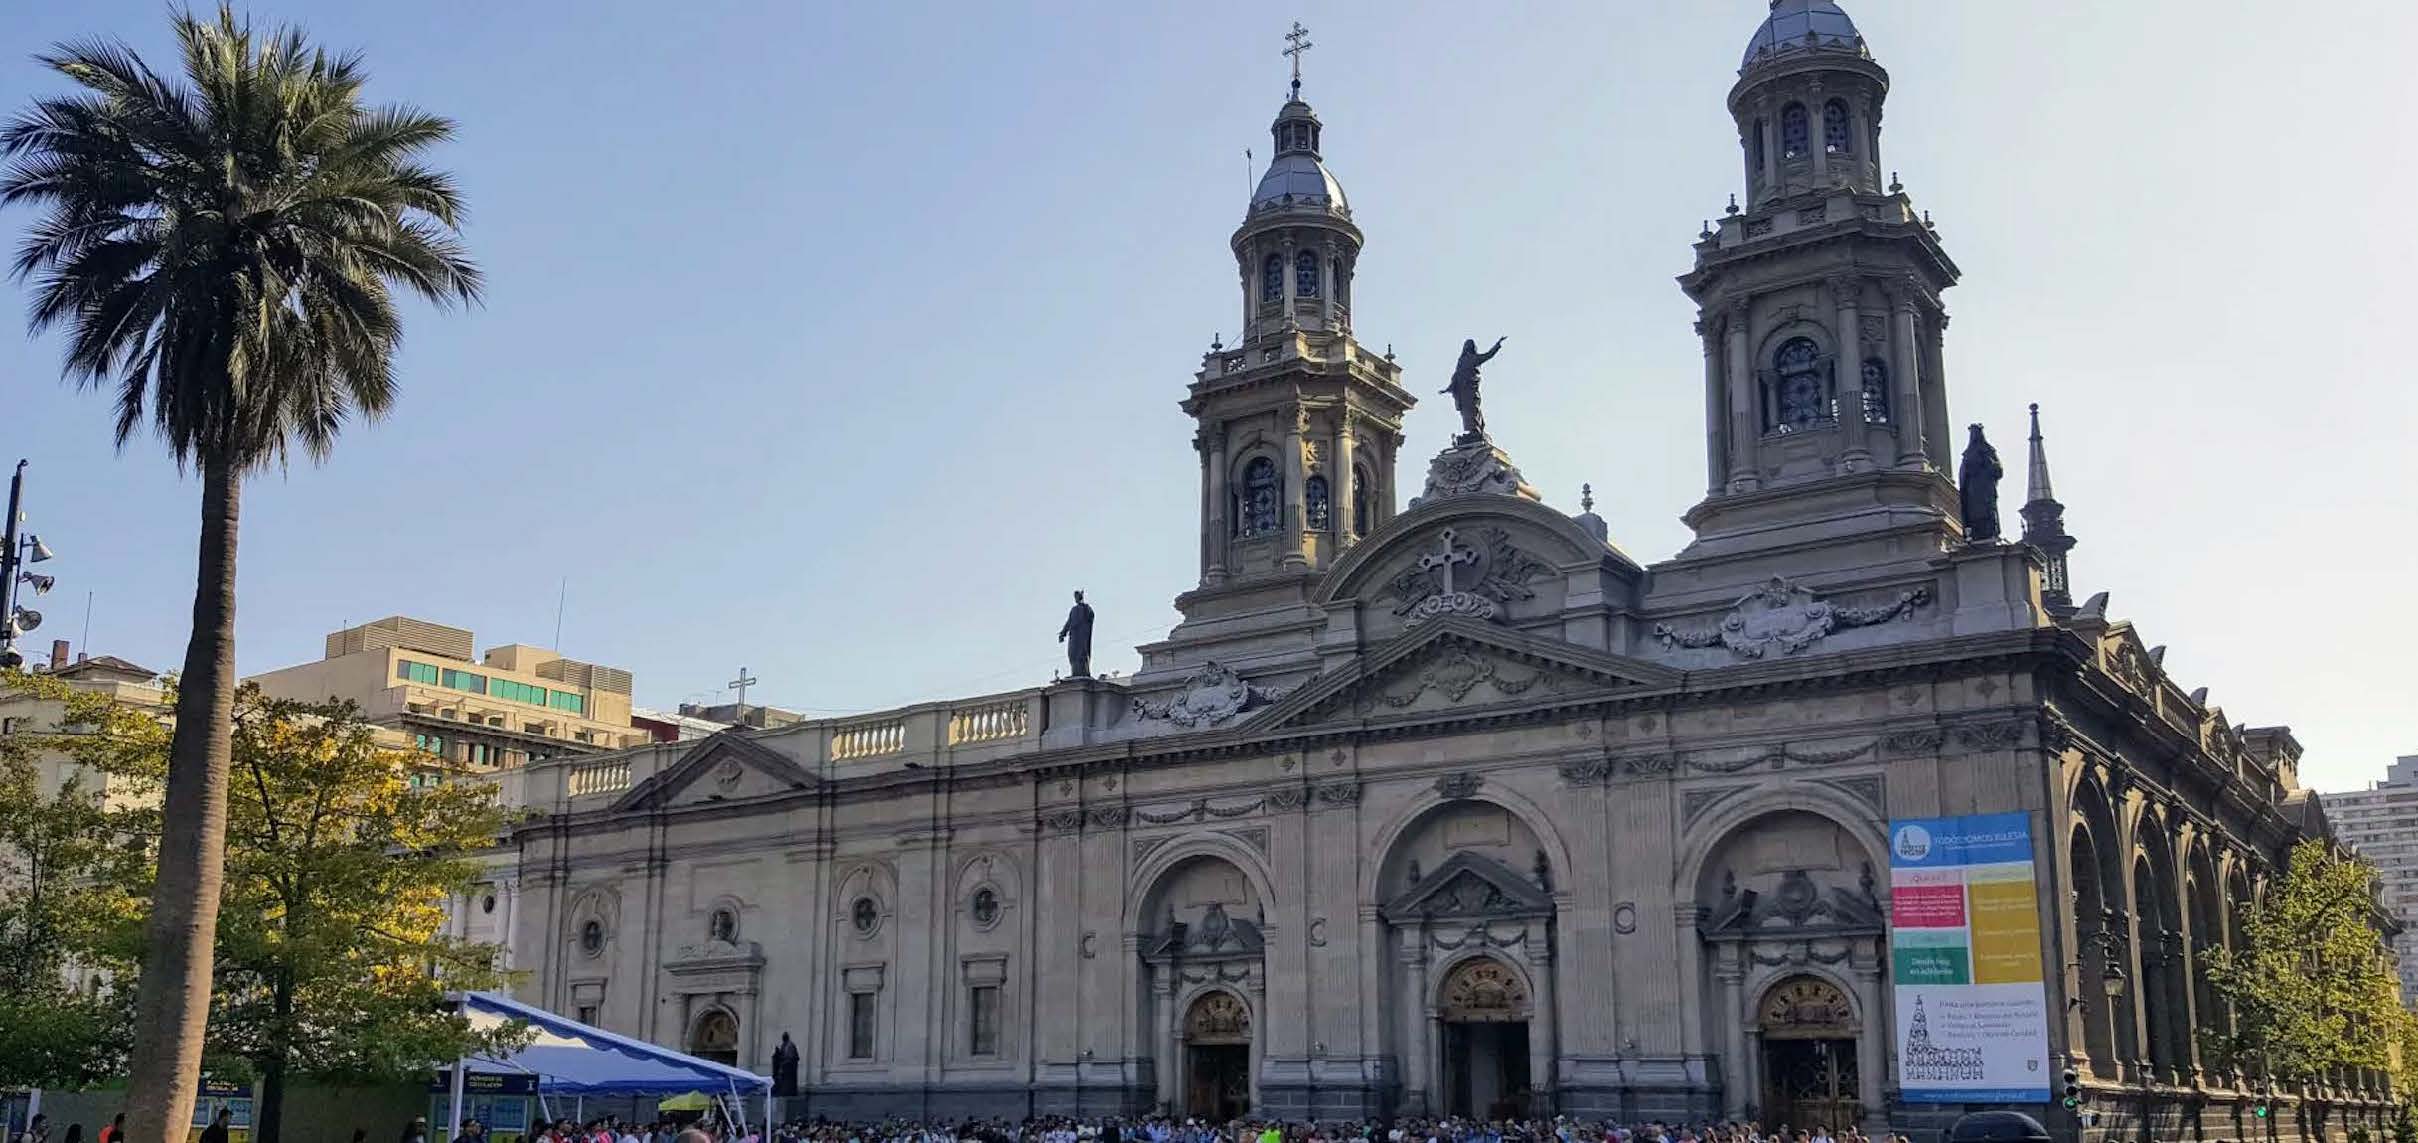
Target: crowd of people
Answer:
pixel 1163 1130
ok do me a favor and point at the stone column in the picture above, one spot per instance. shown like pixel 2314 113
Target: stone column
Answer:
pixel 1859 136
pixel 1544 1039
pixel 1418 1022
pixel 1817 134
pixel 1743 410
pixel 1326 291
pixel 1767 129
pixel 1871 1055
pixel 1734 1083
pixel 1848 373
pixel 1905 375
pixel 1171 1036
pixel 1346 484
pixel 1284 280
pixel 1220 502
pixel 1936 433
pixel 1294 500
pixel 1200 444
pixel 1716 447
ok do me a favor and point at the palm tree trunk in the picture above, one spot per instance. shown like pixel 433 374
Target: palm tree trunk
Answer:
pixel 172 1002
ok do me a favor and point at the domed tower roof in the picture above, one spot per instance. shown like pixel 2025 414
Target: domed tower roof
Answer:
pixel 1802 25
pixel 1295 176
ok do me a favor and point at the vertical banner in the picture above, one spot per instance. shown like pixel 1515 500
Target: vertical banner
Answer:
pixel 1965 955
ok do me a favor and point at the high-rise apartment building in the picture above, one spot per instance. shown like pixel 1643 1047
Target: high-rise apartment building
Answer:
pixel 516 704
pixel 2381 822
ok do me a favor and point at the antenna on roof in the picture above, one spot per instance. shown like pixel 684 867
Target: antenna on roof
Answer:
pixel 561 593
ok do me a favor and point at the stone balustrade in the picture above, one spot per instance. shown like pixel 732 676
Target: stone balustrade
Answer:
pixel 869 739
pixel 607 777
pixel 990 722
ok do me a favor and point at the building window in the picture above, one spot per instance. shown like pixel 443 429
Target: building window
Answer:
pixel 413 672
pixel 1794 137
pixel 1876 391
pixel 469 681
pixel 1272 278
pixel 1305 275
pixel 1797 390
pixel 983 1027
pixel 865 916
pixel 565 700
pixel 1363 501
pixel 1255 503
pixel 487 903
pixel 1835 131
pixel 985 907
pixel 432 743
pixel 860 1025
pixel 592 937
pixel 1319 510
pixel 587 1015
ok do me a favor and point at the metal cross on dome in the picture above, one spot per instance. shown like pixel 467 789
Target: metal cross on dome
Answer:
pixel 1299 39
pixel 740 685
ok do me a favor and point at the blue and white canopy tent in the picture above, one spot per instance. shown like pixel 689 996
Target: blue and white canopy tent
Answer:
pixel 571 1058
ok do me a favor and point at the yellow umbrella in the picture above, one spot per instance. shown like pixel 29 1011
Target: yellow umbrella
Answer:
pixel 693 1101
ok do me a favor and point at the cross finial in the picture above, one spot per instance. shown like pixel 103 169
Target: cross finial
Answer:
pixel 1586 498
pixel 1299 41
pixel 740 685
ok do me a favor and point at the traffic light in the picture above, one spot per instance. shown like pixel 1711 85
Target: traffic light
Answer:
pixel 2073 1089
pixel 2259 1109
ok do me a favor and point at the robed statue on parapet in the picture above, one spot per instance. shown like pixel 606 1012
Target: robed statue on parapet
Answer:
pixel 1464 387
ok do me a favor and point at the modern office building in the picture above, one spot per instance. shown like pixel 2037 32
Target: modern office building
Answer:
pixel 2381 822
pixel 514 705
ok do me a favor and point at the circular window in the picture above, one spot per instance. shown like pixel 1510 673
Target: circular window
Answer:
pixel 592 937
pixel 487 905
pixel 985 907
pixel 865 915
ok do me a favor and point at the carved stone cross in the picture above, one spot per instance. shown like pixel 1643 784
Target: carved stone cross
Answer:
pixel 1447 557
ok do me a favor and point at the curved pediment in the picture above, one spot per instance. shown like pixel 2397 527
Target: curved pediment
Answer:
pixel 1533 530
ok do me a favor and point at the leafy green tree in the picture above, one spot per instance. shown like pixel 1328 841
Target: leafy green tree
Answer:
pixel 2312 988
pixel 333 957
pixel 222 255
pixel 65 852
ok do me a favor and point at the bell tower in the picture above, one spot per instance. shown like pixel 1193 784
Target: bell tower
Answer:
pixel 1819 308
pixel 1299 422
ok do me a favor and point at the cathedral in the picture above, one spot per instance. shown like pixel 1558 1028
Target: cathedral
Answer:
pixel 1436 801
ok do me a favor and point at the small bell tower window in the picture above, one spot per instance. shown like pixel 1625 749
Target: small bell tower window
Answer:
pixel 1305 275
pixel 1272 278
pixel 1797 390
pixel 1835 130
pixel 1318 508
pixel 1876 391
pixel 1256 501
pixel 1795 137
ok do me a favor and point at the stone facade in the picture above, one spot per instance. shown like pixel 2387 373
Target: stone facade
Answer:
pixel 1459 807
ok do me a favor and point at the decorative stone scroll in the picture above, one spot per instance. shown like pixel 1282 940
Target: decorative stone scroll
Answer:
pixel 1788 618
pixel 1214 694
pixel 1473 468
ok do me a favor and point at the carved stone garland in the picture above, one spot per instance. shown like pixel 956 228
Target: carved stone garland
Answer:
pixel 1213 694
pixel 1788 618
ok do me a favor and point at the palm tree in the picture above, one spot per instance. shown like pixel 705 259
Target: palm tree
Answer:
pixel 220 254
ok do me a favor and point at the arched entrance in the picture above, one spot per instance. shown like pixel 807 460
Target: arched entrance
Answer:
pixel 1217 1057
pixel 1484 1006
pixel 1810 1071
pixel 716 1037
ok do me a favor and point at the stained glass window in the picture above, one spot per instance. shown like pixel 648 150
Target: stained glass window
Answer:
pixel 1876 391
pixel 1799 396
pixel 1305 275
pixel 1255 513
pixel 1794 139
pixel 1317 508
pixel 1272 278
pixel 1834 127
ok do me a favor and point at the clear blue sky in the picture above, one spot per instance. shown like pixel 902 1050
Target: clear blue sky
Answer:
pixel 840 341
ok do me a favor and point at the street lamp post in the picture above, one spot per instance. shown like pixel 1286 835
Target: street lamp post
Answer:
pixel 15 553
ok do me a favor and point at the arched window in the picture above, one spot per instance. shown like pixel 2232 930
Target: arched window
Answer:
pixel 1255 501
pixel 1835 132
pixel 1794 137
pixel 1797 396
pixel 1363 501
pixel 1272 278
pixel 1316 507
pixel 1876 391
pixel 1305 275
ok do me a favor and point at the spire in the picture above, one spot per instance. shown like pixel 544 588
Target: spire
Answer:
pixel 2036 483
pixel 2044 528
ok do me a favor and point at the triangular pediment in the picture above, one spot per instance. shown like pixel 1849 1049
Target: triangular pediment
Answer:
pixel 1468 886
pixel 1453 663
pixel 727 767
